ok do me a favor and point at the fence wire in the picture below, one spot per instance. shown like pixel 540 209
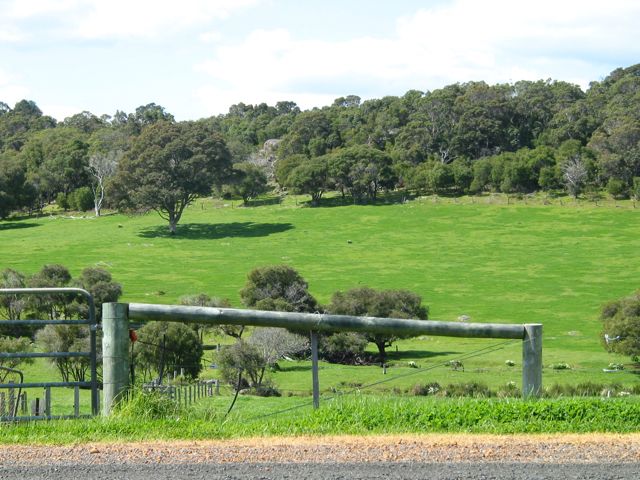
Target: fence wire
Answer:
pixel 475 353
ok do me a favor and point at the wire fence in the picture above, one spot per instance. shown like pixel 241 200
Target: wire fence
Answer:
pixel 352 388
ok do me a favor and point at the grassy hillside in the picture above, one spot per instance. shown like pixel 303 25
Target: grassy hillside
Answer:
pixel 517 263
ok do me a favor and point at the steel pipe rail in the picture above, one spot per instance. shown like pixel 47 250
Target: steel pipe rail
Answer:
pixel 116 318
pixel 45 355
pixel 320 322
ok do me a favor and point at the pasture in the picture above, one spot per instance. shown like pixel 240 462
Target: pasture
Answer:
pixel 495 262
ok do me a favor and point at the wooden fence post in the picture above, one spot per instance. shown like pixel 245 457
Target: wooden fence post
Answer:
pixel 532 360
pixel 115 354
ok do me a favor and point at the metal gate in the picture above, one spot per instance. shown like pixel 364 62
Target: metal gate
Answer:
pixel 43 409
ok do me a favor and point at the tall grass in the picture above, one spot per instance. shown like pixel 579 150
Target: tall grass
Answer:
pixel 360 414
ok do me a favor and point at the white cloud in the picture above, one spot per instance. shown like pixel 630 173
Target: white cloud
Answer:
pixel 105 19
pixel 150 18
pixel 18 9
pixel 210 37
pixel 493 40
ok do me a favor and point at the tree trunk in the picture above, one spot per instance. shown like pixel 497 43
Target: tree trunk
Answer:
pixel 382 345
pixel 173 223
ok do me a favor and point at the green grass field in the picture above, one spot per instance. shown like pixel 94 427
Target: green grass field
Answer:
pixel 353 415
pixel 496 262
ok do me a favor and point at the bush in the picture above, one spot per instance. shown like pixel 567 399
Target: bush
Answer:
pixel 265 391
pixel 182 348
pixel 621 322
pixel 13 345
pixel 471 389
pixel 81 199
pixel 432 388
pixel 617 188
pixel 67 338
pixel 510 389
pixel 242 357
pixel 62 201
pixel 277 287
pixel 365 301
pixel 343 347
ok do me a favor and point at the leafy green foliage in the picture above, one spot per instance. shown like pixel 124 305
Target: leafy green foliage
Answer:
pixel 248 181
pixel 169 165
pixel 343 347
pixel 67 338
pixel 365 301
pixel 145 406
pixel 13 345
pixel 204 300
pixel 239 361
pixel 277 287
pixel 169 346
pixel 621 325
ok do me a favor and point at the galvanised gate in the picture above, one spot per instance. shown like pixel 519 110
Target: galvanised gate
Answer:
pixel 21 386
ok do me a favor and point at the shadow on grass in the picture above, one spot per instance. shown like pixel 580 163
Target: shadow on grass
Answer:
pixel 391 198
pixel 16 225
pixel 261 202
pixel 416 354
pixel 211 231
pixel 294 368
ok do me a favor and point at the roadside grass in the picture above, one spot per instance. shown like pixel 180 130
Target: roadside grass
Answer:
pixel 495 259
pixel 355 415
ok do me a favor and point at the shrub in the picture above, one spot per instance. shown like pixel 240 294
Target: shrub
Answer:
pixel 617 188
pixel 62 201
pixel 67 338
pixel 277 287
pixel 182 348
pixel 343 347
pixel 81 199
pixel 510 389
pixel 471 389
pixel 13 345
pixel 432 388
pixel 621 322
pixel 365 301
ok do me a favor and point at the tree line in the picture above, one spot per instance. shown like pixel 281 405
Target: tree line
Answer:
pixel 465 138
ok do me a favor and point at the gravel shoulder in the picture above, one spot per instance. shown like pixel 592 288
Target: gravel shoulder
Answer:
pixel 430 448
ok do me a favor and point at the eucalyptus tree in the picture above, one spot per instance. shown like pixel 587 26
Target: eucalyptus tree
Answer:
pixel 171 164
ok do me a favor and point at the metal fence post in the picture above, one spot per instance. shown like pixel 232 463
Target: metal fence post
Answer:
pixel 532 360
pixel 47 402
pixel 76 401
pixel 314 370
pixel 115 354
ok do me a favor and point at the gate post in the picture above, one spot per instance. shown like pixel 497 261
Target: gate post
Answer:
pixel 532 360
pixel 115 353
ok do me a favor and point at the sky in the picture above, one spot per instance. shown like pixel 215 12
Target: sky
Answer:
pixel 196 58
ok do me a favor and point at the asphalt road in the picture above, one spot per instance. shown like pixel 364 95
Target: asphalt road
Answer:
pixel 330 471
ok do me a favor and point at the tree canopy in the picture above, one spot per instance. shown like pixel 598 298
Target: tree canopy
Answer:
pixel 170 165
pixel 462 138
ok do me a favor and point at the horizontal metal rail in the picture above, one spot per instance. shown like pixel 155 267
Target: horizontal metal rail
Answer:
pixel 44 355
pixel 321 322
pixel 46 322
pixel 45 384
